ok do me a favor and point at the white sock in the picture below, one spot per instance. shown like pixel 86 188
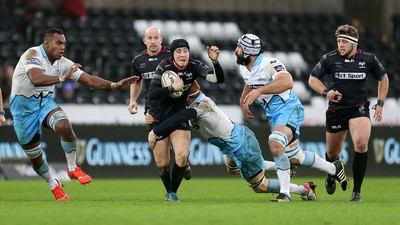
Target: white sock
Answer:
pixel 284 180
pixel 323 165
pixel 297 189
pixel 71 160
pixel 269 165
pixel 49 179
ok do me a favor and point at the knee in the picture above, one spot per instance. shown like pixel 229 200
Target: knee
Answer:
pixel 294 162
pixel 361 146
pixel 63 126
pixel 181 160
pixel 277 142
pixel 161 163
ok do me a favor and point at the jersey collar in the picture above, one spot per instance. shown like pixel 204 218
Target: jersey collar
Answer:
pixel 359 51
pixel 43 51
pixel 162 49
pixel 259 60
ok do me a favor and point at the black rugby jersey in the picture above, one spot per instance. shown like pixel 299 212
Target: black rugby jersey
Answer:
pixel 163 106
pixel 144 65
pixel 349 76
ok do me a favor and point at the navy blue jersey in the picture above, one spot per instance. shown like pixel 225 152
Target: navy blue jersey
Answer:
pixel 144 65
pixel 164 106
pixel 349 76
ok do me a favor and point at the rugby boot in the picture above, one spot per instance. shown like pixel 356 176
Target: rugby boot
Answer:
pixel 79 175
pixel 311 194
pixel 59 193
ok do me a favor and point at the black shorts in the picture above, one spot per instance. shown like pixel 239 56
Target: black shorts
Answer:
pixel 339 120
pixel 183 126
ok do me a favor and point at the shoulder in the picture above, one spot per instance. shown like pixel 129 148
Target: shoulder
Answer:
pixel 330 55
pixel 32 56
pixel 366 54
pixel 274 64
pixel 140 56
pixel 329 58
pixel 166 61
pixel 165 64
pixel 269 61
pixel 164 49
pixel 164 53
pixel 33 52
pixel 198 63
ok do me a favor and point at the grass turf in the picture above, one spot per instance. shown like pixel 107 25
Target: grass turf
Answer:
pixel 203 201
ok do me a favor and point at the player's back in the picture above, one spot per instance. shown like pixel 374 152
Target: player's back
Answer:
pixel 211 120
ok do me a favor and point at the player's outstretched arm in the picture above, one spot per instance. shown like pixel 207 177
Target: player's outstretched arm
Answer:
pixel 167 126
pixel 102 84
pixel 37 77
pixel 170 124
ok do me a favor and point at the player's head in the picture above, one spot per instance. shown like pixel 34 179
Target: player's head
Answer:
pixel 152 39
pixel 248 45
pixel 347 39
pixel 180 52
pixel 54 44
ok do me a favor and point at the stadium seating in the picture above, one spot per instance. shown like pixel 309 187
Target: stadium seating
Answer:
pixel 106 43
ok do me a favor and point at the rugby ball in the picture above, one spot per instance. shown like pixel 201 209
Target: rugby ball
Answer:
pixel 167 79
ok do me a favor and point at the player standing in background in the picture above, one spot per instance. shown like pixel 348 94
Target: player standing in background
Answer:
pixel 237 142
pixel 32 105
pixel 2 112
pixel 348 69
pixel 144 66
pixel 164 106
pixel 267 80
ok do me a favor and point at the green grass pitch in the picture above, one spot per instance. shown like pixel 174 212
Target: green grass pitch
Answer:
pixel 203 201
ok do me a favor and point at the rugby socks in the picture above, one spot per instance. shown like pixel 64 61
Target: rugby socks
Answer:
pixel 274 187
pixel 70 154
pixel 165 177
pixel 328 159
pixel 269 165
pixel 177 176
pixel 359 167
pixel 283 171
pixel 322 164
pixel 44 172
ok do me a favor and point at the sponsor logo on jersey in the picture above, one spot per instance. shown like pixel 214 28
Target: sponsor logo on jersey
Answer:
pixel 361 65
pixel 188 76
pixel 334 127
pixel 255 86
pixel 349 60
pixel 350 76
pixel 34 61
pixel 148 75
pixel 153 59
pixel 279 68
